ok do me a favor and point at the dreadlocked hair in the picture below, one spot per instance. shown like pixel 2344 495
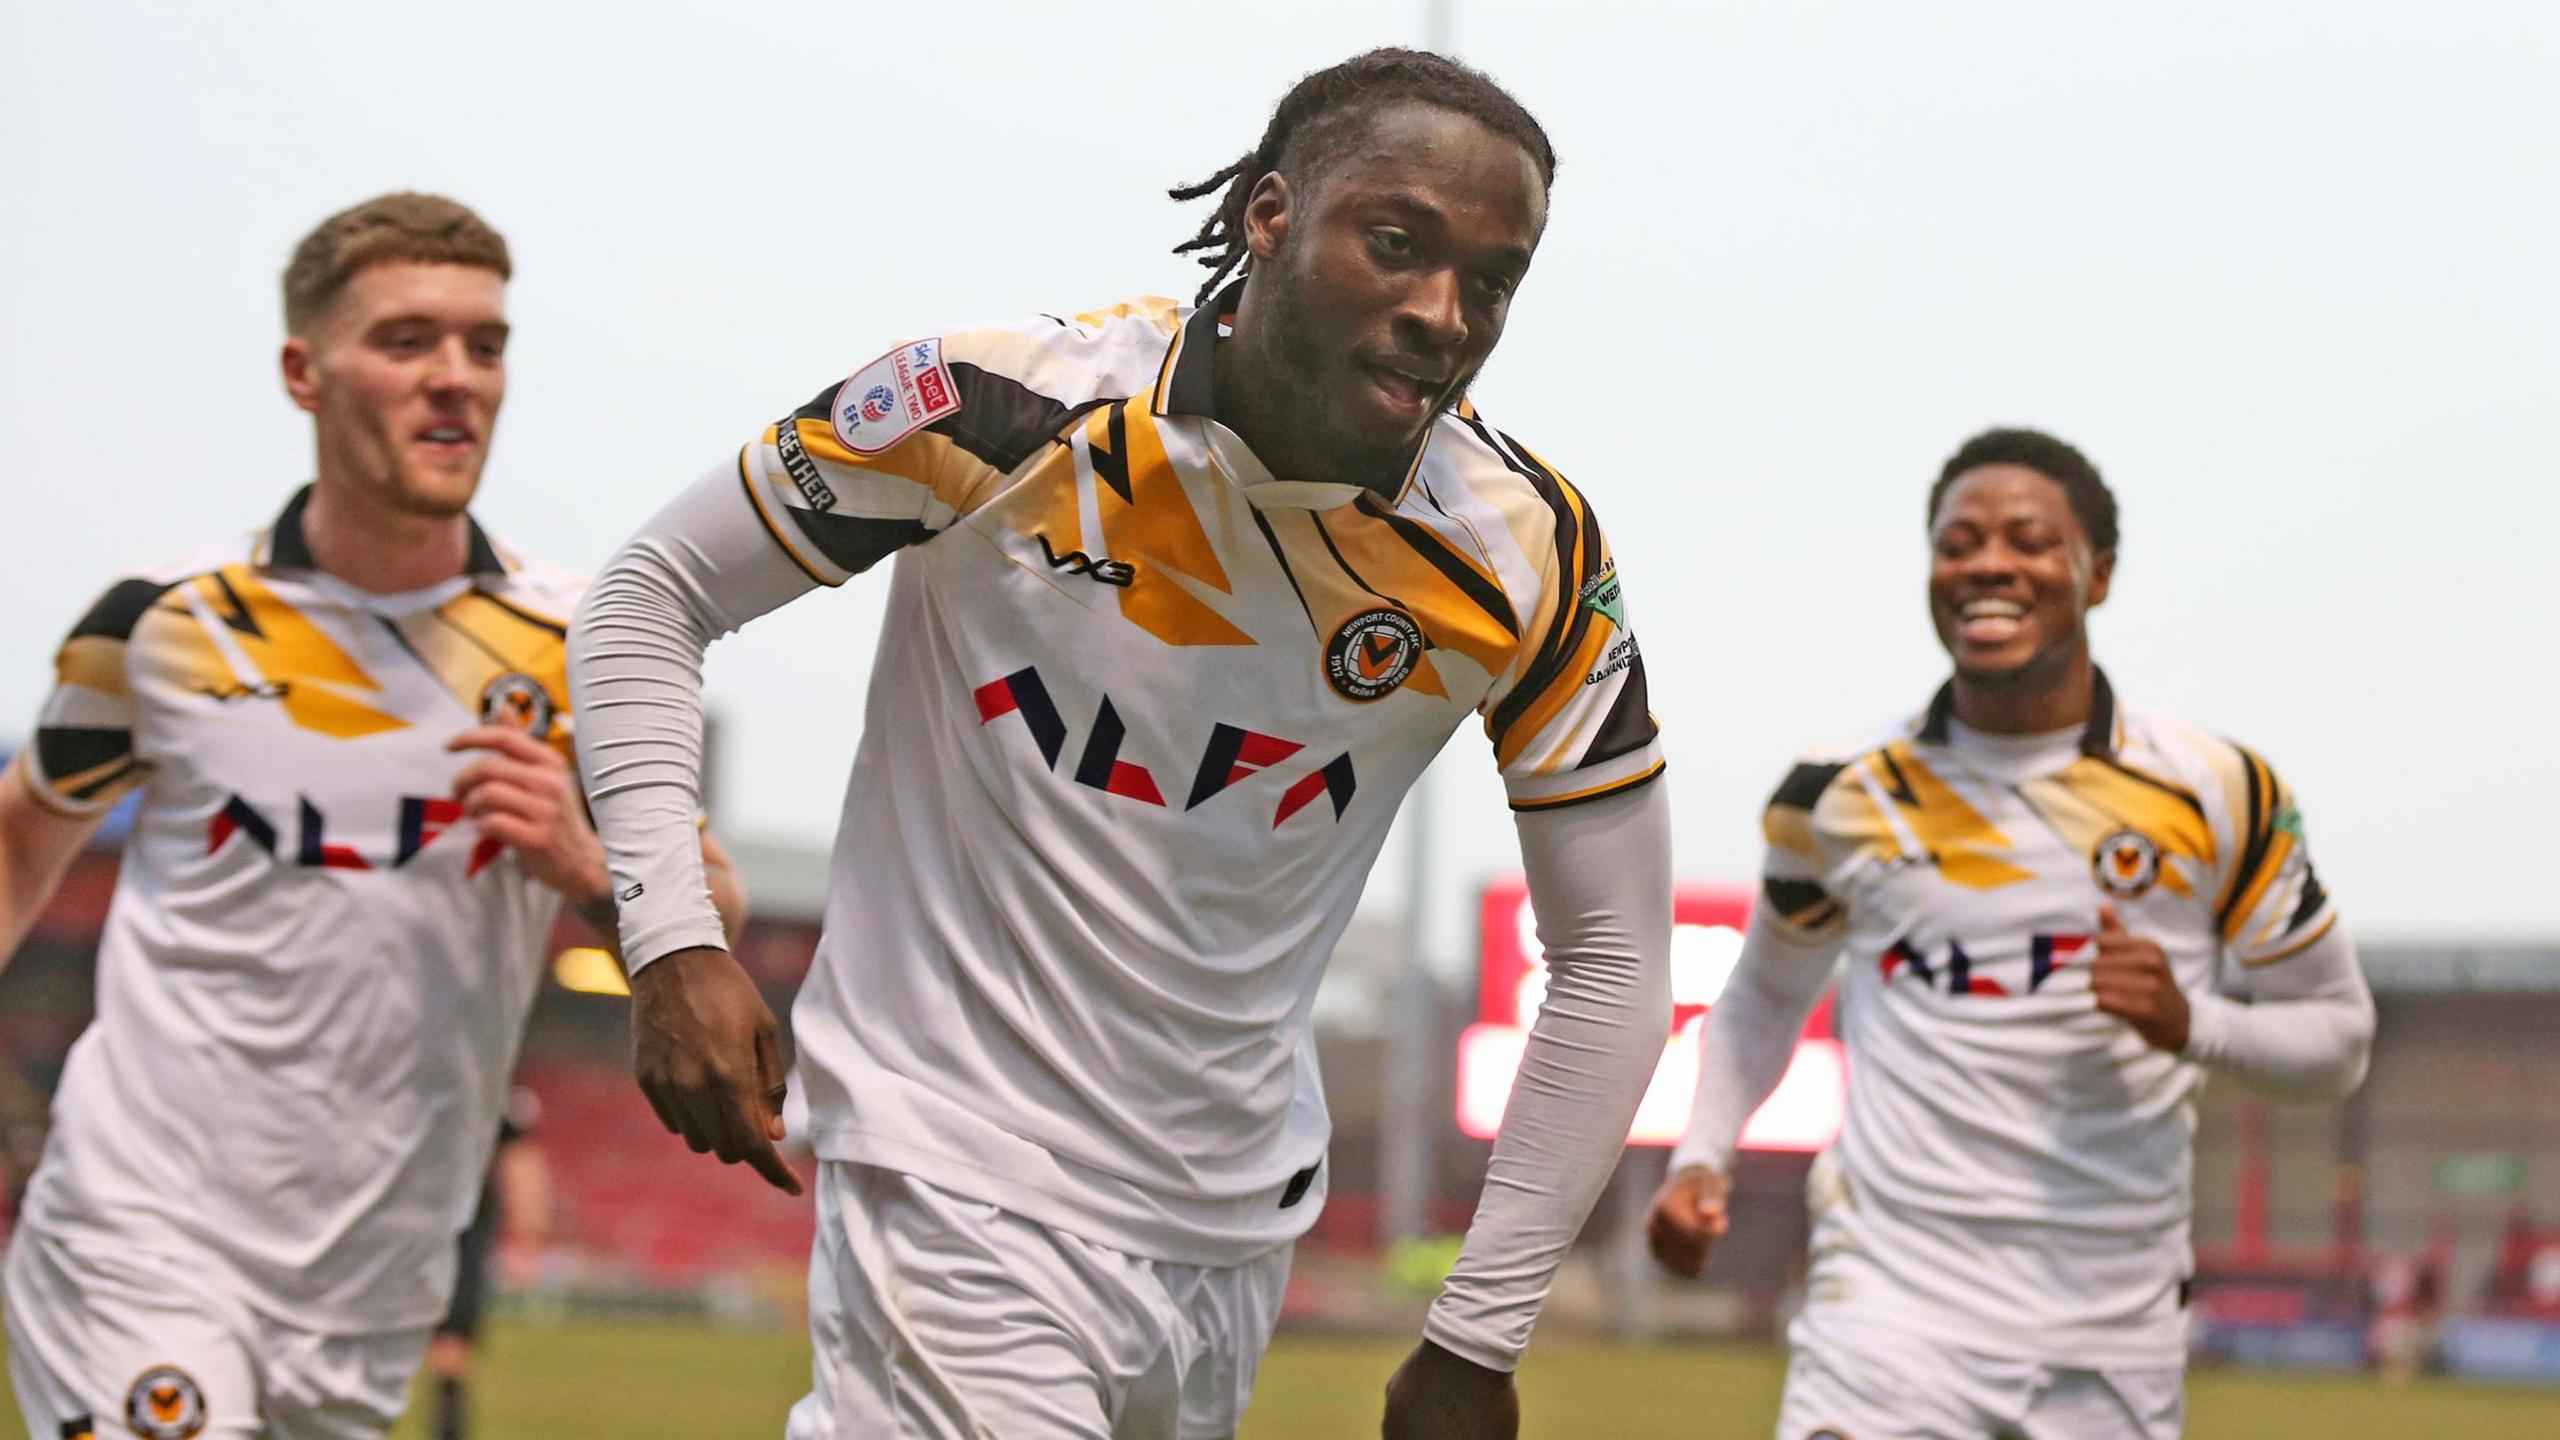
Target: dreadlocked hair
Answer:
pixel 1329 107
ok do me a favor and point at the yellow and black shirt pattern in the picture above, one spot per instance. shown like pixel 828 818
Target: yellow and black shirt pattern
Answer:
pixel 1085 448
pixel 2197 831
pixel 217 636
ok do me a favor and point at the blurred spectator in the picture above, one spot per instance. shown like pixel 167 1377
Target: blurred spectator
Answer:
pixel 514 1210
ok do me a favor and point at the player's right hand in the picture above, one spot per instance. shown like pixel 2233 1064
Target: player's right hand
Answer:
pixel 1690 1212
pixel 702 1043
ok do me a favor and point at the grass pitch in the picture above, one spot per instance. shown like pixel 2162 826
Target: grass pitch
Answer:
pixel 683 1382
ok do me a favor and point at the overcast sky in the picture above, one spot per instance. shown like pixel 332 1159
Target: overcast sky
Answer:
pixel 2286 272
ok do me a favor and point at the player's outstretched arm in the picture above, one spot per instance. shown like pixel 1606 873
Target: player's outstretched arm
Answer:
pixel 704 1044
pixel 1750 1038
pixel 37 844
pixel 1600 883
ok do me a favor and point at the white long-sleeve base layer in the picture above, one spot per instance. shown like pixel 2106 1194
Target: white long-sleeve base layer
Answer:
pixel 987 1011
pixel 1600 882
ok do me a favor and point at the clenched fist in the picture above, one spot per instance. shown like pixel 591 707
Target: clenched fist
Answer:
pixel 522 793
pixel 1689 1216
pixel 2133 982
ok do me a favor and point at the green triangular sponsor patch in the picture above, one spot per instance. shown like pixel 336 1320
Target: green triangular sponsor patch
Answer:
pixel 1601 595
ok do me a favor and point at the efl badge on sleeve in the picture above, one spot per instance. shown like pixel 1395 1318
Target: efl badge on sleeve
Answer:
pixel 517 701
pixel 164 1404
pixel 893 397
pixel 1372 653
pixel 2127 864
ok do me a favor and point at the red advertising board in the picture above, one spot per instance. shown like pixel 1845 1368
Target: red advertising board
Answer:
pixel 1708 919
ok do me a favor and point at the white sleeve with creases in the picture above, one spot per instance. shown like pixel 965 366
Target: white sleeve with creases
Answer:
pixel 1600 883
pixel 2300 1028
pixel 1751 1037
pixel 700 568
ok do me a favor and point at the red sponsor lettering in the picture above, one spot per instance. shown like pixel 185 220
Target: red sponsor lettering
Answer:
pixel 934 388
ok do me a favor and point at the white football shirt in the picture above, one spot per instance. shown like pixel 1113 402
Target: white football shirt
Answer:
pixel 2014 1166
pixel 314 973
pixel 1139 720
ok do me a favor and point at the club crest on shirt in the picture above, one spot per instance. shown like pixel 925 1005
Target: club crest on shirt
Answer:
pixel 893 397
pixel 164 1404
pixel 518 702
pixel 2127 863
pixel 1372 653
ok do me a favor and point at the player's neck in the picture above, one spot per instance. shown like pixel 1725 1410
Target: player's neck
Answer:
pixel 2029 704
pixel 378 548
pixel 1253 401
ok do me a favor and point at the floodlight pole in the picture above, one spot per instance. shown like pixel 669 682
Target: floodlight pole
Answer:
pixel 1406 1119
pixel 1412 1038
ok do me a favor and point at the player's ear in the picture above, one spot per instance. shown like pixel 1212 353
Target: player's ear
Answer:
pixel 301 373
pixel 1266 217
pixel 2102 568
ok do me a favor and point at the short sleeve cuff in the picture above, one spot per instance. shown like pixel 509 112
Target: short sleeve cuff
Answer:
pixel 1590 782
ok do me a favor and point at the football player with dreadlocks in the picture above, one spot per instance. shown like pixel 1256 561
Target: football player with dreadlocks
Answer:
pixel 1184 600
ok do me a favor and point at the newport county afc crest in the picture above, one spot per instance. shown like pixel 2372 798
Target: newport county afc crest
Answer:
pixel 517 701
pixel 1372 653
pixel 164 1403
pixel 2127 863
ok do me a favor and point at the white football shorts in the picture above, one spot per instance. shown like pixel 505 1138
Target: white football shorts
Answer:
pixel 1852 1379
pixel 936 1317
pixel 149 1346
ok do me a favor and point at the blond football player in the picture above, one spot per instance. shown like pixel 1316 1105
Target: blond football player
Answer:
pixel 2056 913
pixel 350 733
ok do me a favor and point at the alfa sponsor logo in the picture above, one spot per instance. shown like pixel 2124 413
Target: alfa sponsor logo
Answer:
pixel 422 819
pixel 1953 971
pixel 1233 756
pixel 1372 653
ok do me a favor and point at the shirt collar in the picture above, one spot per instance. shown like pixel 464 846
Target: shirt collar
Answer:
pixel 2097 737
pixel 287 549
pixel 1187 383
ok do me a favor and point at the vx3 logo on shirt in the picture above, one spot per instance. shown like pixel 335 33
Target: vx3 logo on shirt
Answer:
pixel 1076 562
pixel 422 819
pixel 1233 754
pixel 264 690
